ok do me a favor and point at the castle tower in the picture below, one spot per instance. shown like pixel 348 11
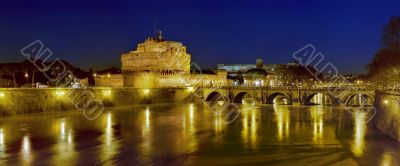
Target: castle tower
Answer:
pixel 155 56
pixel 259 63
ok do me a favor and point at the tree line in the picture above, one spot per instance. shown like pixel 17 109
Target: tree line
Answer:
pixel 384 70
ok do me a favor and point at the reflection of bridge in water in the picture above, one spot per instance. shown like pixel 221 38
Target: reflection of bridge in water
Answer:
pixel 335 96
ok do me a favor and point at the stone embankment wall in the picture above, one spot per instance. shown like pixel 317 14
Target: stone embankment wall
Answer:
pixel 32 100
pixel 387 119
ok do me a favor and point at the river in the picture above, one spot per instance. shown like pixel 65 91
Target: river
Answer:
pixel 191 134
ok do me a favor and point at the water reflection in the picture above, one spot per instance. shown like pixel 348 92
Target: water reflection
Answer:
pixel 109 146
pixel 249 126
pixel 190 128
pixel 146 132
pixel 26 156
pixel 282 116
pixel 2 147
pixel 218 125
pixel 190 134
pixel 317 116
pixel 387 159
pixel 360 128
pixel 65 147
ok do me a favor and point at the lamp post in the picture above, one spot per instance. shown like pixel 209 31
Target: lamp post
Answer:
pixel 27 76
pixel 109 76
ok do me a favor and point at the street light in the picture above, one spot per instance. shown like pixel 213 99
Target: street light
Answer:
pixel 109 81
pixel 26 76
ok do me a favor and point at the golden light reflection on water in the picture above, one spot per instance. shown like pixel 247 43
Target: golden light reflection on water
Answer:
pixel 110 145
pixel 189 131
pixel 146 132
pixel 65 147
pixel 360 129
pixel 162 132
pixel 282 116
pixel 249 135
pixel 26 154
pixel 387 159
pixel 2 146
pixel 109 130
pixel 317 116
pixel 218 125
pixel 147 118
pixel 2 140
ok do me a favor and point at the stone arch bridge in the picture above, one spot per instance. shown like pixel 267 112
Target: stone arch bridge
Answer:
pixel 336 96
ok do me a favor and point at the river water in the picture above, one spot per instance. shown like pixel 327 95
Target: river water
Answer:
pixel 191 134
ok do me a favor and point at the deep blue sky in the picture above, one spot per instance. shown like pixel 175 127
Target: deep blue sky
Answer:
pixel 94 34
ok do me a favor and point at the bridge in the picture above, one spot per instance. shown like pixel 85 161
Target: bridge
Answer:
pixel 334 96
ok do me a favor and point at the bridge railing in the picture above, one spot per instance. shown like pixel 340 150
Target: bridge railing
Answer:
pixel 332 88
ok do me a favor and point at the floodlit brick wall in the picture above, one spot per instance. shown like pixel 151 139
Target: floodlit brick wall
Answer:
pixel 387 118
pixel 32 100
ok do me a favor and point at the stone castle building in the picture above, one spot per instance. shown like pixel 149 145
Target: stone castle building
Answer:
pixel 158 63
pixel 155 63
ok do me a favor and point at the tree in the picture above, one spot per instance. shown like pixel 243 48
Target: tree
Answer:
pixel 391 34
pixel 384 68
pixel 91 80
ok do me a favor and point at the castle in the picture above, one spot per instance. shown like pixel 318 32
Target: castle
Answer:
pixel 159 63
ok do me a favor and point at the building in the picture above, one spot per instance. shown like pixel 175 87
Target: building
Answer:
pixel 260 74
pixel 158 63
pixel 5 82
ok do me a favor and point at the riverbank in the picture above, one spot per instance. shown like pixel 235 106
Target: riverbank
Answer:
pixel 388 113
pixel 33 100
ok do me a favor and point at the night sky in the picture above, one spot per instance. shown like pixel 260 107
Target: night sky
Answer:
pixel 94 34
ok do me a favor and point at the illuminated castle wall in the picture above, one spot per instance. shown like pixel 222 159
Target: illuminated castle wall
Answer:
pixel 160 63
pixel 154 57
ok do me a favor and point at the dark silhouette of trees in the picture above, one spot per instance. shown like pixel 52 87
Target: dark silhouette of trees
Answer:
pixel 91 80
pixel 16 71
pixel 384 70
pixel 391 34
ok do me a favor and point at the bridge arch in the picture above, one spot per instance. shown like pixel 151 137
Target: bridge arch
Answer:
pixel 214 95
pixel 359 99
pixel 216 98
pixel 271 98
pixel 322 99
pixel 240 96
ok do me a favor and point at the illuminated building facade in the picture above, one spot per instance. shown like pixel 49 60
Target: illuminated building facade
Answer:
pixel 161 63
pixel 154 60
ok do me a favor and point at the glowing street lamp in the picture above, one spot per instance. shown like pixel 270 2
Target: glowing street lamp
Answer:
pixel 26 76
